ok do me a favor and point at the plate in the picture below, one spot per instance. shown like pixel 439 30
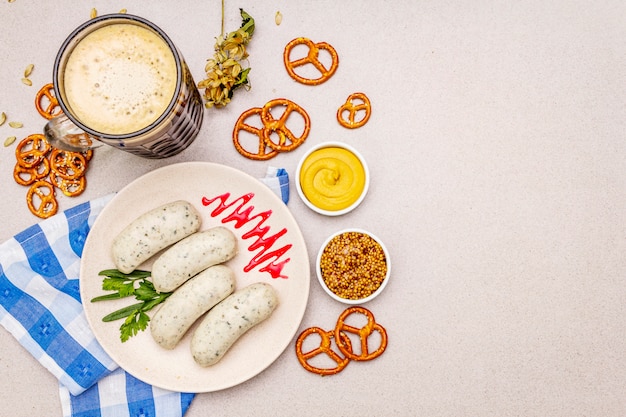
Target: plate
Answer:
pixel 271 249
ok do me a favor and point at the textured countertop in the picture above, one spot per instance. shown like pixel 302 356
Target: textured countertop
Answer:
pixel 497 147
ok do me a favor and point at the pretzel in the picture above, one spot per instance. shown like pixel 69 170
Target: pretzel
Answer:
pixel 352 109
pixel 311 58
pixel 287 140
pixel 343 342
pixel 267 148
pixel 364 332
pixel 32 150
pixel 41 199
pixel 70 188
pixel 68 165
pixel 46 94
pixel 262 152
pixel 27 176
pixel 324 347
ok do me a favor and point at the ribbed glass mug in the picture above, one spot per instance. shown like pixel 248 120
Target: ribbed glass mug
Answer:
pixel 120 80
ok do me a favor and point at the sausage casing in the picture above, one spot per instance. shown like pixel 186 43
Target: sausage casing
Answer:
pixel 230 319
pixel 191 255
pixel 194 298
pixel 153 231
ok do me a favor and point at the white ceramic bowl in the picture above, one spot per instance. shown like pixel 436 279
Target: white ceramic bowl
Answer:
pixel 318 268
pixel 332 212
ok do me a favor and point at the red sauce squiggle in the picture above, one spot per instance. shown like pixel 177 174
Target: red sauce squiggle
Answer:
pixel 242 215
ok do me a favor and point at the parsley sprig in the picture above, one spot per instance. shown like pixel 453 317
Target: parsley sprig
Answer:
pixel 126 285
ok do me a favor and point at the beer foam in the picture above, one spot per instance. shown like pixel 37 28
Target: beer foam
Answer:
pixel 120 78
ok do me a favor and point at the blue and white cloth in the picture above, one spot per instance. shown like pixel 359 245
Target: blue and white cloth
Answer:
pixel 277 179
pixel 40 306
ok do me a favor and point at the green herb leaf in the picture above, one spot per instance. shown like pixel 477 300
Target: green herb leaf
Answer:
pixel 106 297
pixel 122 313
pixel 124 285
pixel 136 274
pixel 145 291
pixel 134 324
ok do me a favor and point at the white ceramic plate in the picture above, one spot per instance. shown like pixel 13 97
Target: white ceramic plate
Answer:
pixel 192 181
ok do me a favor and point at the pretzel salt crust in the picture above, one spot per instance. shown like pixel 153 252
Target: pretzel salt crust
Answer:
pixel 343 342
pixel 40 199
pixel 311 58
pixel 32 150
pixel 70 188
pixel 43 168
pixel 68 165
pixel 362 105
pixel 45 97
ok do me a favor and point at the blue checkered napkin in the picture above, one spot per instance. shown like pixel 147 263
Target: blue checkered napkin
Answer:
pixel 120 394
pixel 278 181
pixel 40 306
pixel 40 302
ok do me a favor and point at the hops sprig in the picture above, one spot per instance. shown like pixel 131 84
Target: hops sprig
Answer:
pixel 224 71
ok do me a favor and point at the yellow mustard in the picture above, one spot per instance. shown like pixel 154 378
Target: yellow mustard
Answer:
pixel 332 178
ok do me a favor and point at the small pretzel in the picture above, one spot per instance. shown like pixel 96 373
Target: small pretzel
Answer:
pixel 70 188
pixel 324 347
pixel 262 153
pixel 27 176
pixel 352 109
pixel 45 97
pixel 41 199
pixel 287 140
pixel 68 165
pixel 32 150
pixel 311 58
pixel 363 333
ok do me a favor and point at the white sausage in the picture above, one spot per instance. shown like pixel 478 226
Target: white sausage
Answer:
pixel 191 255
pixel 194 298
pixel 229 320
pixel 152 232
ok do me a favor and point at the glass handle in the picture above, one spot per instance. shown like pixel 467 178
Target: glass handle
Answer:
pixel 62 133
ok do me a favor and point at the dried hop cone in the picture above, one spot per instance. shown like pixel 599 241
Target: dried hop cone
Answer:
pixel 224 72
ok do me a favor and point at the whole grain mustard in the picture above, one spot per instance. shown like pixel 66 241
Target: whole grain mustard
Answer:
pixel 353 265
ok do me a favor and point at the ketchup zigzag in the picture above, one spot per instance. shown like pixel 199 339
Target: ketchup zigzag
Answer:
pixel 242 215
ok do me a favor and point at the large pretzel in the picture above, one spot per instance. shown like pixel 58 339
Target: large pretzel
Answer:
pixel 311 58
pixel 262 153
pixel 46 102
pixel 41 199
pixel 352 109
pixel 287 141
pixel 271 126
pixel 32 150
pixel 363 333
pixel 324 348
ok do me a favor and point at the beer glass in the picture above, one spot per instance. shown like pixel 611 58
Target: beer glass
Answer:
pixel 121 81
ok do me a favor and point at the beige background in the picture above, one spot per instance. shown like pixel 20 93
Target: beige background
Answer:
pixel 497 150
